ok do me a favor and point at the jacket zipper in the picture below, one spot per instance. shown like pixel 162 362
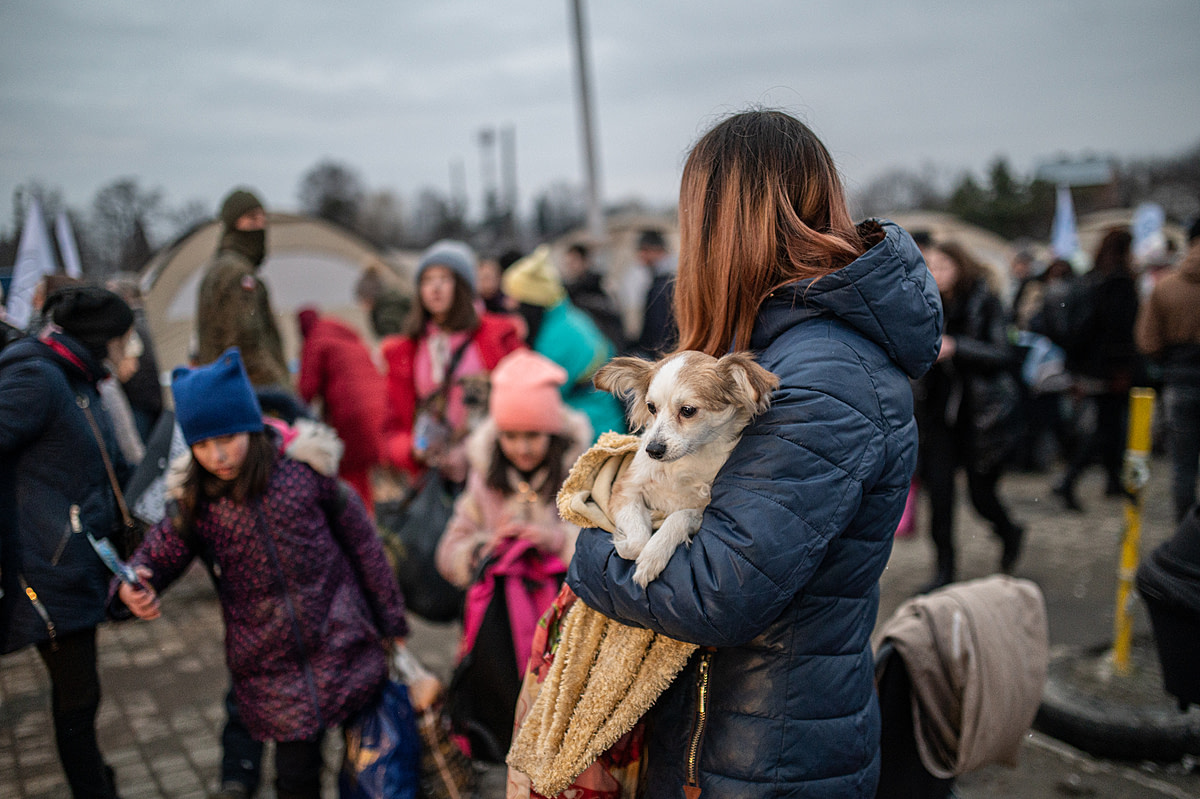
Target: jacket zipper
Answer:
pixel 74 526
pixel 302 650
pixel 692 788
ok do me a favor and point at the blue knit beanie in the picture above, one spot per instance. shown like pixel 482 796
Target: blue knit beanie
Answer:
pixel 456 256
pixel 215 400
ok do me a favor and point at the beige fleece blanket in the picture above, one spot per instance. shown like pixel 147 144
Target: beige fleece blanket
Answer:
pixel 605 674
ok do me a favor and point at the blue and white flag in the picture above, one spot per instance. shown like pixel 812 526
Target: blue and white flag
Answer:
pixel 66 245
pixel 1149 240
pixel 1064 239
pixel 35 258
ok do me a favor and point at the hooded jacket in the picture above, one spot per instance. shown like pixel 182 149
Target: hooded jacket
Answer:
pixel 780 584
pixel 336 366
pixel 481 512
pixel 50 462
pixel 306 594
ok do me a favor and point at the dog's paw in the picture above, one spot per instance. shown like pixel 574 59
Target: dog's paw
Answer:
pixel 630 546
pixel 632 524
pixel 653 559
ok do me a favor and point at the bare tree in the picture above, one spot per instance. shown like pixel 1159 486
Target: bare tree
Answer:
pixel 333 192
pixel 436 217
pixel 559 208
pixel 122 213
pixel 381 219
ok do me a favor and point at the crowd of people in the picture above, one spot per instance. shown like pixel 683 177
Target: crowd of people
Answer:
pixel 902 361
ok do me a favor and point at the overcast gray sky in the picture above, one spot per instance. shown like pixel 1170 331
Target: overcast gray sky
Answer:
pixel 195 98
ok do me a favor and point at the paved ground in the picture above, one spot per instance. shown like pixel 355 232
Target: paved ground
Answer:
pixel 164 681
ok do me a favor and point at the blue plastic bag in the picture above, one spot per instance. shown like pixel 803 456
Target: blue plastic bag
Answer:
pixel 383 749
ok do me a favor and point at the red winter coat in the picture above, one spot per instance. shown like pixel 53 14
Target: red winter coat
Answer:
pixel 336 366
pixel 496 336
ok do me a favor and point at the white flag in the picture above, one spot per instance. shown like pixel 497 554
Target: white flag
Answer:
pixel 1149 240
pixel 1064 240
pixel 35 258
pixel 66 245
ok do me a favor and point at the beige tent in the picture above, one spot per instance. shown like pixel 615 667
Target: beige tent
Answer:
pixel 309 262
pixel 995 251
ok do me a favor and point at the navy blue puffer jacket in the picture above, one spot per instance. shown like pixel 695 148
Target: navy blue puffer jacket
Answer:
pixel 780 585
pixel 49 462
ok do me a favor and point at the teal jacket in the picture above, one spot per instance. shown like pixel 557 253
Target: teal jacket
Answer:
pixel 571 339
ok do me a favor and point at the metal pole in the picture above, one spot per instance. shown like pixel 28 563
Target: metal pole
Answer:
pixel 595 211
pixel 1137 474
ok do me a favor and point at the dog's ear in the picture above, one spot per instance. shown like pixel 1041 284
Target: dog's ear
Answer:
pixel 628 379
pixel 752 383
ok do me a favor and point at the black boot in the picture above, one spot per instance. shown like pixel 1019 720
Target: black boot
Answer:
pixel 1065 490
pixel 1013 537
pixel 941 578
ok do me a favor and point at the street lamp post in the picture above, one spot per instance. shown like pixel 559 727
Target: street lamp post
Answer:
pixel 595 213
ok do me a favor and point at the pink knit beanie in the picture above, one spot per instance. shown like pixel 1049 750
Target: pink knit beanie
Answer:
pixel 525 393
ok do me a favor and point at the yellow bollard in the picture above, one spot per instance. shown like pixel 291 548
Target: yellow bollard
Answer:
pixel 1136 475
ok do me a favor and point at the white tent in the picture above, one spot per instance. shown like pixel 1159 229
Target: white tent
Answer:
pixel 309 262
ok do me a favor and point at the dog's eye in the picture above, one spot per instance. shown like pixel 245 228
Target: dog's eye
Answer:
pixel 687 411
pixel 650 407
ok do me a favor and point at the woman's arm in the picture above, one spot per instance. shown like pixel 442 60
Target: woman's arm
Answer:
pixel 399 356
pixel 466 539
pixel 160 560
pixel 986 349
pixel 793 483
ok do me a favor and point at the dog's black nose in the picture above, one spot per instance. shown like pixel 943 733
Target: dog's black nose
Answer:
pixel 656 449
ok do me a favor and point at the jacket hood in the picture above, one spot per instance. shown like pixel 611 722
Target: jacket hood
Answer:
pixel 55 345
pixel 887 295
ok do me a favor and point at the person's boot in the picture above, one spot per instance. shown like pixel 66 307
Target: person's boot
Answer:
pixel 1065 490
pixel 941 578
pixel 1013 537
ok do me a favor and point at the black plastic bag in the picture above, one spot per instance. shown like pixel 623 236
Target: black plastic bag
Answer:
pixel 411 529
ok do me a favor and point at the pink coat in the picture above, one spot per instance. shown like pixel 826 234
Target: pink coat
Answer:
pixel 481 513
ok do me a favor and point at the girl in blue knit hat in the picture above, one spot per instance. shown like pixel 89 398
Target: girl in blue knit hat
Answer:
pixel 308 599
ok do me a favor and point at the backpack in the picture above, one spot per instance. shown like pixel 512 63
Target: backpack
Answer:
pixel 1067 316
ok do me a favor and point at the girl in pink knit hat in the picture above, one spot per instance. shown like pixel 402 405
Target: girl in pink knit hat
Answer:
pixel 506 543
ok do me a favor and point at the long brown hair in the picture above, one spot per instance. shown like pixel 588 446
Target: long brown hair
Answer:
pixel 461 316
pixel 1113 254
pixel 971 271
pixel 497 475
pixel 760 205
pixel 201 486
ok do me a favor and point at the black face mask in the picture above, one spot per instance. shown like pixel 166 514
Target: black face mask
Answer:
pixel 250 243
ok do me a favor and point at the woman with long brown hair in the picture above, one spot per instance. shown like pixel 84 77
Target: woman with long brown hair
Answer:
pixel 966 407
pixel 780 584
pixel 1103 361
pixel 448 346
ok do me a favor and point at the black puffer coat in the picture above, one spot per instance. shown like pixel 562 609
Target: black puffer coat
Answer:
pixel 976 393
pixel 49 462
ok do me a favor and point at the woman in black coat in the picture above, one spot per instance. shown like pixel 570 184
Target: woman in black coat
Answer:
pixel 966 406
pixel 1103 360
pixel 54 487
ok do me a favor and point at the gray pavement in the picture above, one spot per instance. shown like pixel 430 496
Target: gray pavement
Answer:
pixel 164 681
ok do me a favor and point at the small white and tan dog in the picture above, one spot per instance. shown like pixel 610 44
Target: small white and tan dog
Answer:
pixel 692 409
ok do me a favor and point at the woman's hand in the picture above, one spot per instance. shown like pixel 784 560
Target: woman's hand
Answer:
pixel 142 602
pixel 948 348
pixel 545 537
